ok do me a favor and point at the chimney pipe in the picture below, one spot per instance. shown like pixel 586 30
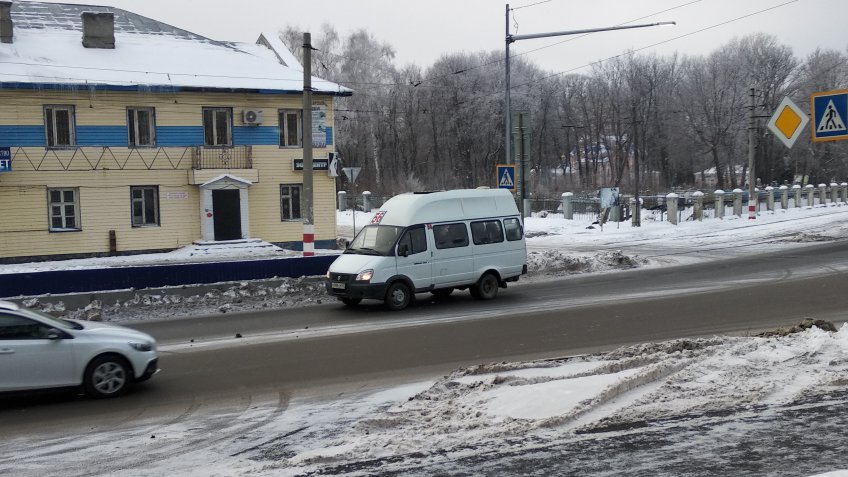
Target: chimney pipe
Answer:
pixel 98 30
pixel 6 25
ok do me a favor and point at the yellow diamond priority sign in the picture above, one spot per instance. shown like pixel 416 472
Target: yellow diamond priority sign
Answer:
pixel 787 122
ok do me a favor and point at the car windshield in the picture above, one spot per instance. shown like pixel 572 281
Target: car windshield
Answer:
pixel 375 240
pixel 54 322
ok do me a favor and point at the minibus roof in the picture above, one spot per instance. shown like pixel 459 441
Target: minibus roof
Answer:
pixel 433 207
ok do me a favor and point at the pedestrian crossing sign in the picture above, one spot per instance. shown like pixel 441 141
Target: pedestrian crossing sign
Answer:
pixel 506 176
pixel 829 115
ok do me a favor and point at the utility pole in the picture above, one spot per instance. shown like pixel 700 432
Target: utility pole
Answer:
pixel 308 216
pixel 752 199
pixel 510 38
pixel 637 206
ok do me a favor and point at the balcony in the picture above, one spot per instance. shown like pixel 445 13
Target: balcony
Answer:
pixel 208 163
pixel 235 157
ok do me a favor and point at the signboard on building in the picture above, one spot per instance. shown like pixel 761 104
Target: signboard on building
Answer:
pixel 319 126
pixel 829 115
pixel 317 164
pixel 5 159
pixel 787 122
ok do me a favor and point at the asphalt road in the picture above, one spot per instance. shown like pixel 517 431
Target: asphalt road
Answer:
pixel 280 353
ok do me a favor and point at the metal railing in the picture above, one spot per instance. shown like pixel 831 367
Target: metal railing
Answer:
pixel 234 157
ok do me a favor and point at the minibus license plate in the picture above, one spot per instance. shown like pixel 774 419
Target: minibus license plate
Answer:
pixel 338 286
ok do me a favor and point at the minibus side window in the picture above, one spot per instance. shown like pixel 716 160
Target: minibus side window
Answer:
pixel 488 231
pixel 413 241
pixel 513 229
pixel 450 235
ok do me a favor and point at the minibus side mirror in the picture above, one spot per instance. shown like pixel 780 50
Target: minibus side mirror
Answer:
pixel 403 250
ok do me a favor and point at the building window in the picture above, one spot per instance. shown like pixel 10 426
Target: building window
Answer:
pixel 141 126
pixel 64 209
pixel 217 127
pixel 145 205
pixel 290 202
pixel 60 125
pixel 291 130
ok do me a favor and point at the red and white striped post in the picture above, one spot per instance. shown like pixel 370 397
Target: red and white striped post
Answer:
pixel 308 240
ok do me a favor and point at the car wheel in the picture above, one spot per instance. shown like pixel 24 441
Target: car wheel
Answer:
pixel 442 292
pixel 486 288
pixel 107 376
pixel 350 301
pixel 398 296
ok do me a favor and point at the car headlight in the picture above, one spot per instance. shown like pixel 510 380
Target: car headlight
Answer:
pixel 365 276
pixel 141 345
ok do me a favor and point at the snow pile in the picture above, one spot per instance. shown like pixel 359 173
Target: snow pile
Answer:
pixel 514 408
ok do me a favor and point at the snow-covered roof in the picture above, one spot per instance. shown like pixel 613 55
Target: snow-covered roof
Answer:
pixel 47 51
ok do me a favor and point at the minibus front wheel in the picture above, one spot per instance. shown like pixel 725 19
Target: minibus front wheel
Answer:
pixel 398 296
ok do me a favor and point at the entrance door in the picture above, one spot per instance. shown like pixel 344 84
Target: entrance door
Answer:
pixel 226 207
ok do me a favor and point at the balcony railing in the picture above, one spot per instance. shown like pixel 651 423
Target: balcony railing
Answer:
pixel 235 157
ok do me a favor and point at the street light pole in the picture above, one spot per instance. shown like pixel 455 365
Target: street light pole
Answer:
pixel 507 108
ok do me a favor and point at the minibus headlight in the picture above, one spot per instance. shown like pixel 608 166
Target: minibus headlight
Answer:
pixel 365 276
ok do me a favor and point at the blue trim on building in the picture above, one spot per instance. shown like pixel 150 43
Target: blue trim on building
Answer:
pixel 256 135
pixel 166 136
pixel 179 136
pixel 22 136
pixel 81 281
pixel 115 136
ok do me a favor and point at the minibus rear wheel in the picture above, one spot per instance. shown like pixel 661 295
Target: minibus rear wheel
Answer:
pixel 486 288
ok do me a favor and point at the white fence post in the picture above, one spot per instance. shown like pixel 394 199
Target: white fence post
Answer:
pixel 671 207
pixel 366 201
pixel 784 197
pixel 342 201
pixel 568 205
pixel 737 202
pixel 797 190
pixel 770 198
pixel 698 205
pixel 719 203
pixel 834 192
pixel 811 195
pixel 844 186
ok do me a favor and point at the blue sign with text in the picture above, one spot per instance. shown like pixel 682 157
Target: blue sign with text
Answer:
pixel 5 159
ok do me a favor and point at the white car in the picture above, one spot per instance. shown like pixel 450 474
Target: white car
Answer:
pixel 38 351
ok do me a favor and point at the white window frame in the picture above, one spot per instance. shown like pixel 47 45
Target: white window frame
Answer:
pixel 288 197
pixel 134 129
pixel 216 141
pixel 143 220
pixel 52 125
pixel 285 136
pixel 59 209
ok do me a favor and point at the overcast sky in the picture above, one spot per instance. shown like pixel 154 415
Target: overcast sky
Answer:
pixel 422 31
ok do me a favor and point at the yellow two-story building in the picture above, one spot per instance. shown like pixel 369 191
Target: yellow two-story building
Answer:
pixel 121 134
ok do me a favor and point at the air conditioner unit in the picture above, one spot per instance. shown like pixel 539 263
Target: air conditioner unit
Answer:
pixel 252 116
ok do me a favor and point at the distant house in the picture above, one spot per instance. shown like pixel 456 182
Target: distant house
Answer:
pixel 122 134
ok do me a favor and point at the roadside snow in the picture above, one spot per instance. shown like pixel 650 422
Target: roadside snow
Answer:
pixel 765 405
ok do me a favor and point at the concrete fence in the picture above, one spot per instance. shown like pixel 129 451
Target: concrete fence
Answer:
pixel 697 205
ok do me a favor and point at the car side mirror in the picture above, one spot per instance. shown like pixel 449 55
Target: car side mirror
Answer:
pixel 54 334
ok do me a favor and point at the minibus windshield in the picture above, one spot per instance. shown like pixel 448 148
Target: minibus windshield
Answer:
pixel 375 240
